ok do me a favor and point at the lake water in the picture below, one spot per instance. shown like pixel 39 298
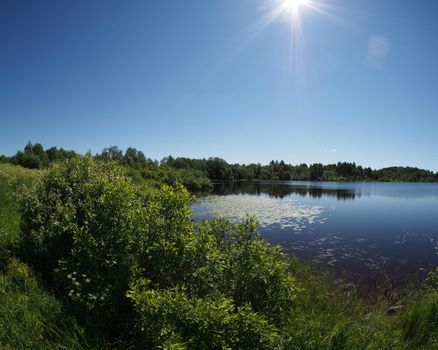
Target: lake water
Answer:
pixel 358 231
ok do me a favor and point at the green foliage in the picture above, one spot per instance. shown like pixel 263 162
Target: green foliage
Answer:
pixel 405 174
pixel 218 169
pixel 113 153
pixel 316 172
pixel 56 155
pixel 258 274
pixel 193 180
pixel 80 229
pixel 143 169
pixel 199 323
pixel 232 291
pixel 28 160
pixel 132 158
pixel 90 232
pixel 135 159
pixel 197 174
pixel 34 156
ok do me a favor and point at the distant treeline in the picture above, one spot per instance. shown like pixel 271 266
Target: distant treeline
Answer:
pixel 219 169
pixel 197 174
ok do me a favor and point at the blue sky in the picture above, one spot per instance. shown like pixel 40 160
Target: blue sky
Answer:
pixel 212 78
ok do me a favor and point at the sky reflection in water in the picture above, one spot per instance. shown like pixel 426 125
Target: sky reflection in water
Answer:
pixel 356 230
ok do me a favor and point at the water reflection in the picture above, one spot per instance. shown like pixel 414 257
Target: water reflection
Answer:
pixel 321 189
pixel 356 230
pixel 281 190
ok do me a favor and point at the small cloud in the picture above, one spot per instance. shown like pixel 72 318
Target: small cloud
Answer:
pixel 333 150
pixel 378 48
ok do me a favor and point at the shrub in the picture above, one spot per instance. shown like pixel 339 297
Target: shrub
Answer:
pixel 199 323
pixel 192 179
pixel 91 232
pixel 249 270
pixel 235 292
pixel 79 230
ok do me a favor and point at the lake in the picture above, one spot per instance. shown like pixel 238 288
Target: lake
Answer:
pixel 358 231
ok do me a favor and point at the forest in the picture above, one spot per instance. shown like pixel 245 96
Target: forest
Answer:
pixel 197 174
pixel 91 258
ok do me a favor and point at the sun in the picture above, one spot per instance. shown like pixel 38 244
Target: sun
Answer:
pixel 294 5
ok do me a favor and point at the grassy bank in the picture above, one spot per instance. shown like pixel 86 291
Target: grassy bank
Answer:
pixel 88 247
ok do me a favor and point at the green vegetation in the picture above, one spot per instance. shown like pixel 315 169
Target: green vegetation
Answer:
pixel 90 232
pixel 31 317
pixel 140 168
pixel 198 174
pixel 219 169
pixel 93 259
pixel 13 182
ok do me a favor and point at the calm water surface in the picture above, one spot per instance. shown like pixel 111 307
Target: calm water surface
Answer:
pixel 356 230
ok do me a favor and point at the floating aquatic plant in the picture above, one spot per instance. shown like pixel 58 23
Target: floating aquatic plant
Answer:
pixel 287 213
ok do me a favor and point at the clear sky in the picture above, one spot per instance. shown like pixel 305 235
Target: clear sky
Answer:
pixel 336 80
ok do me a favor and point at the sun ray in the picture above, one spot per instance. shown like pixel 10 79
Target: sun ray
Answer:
pixel 333 13
pixel 293 10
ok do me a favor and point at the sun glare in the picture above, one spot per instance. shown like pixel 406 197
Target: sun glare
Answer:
pixel 294 5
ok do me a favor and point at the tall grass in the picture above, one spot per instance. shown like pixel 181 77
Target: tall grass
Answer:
pixel 419 323
pixel 13 181
pixel 332 316
pixel 32 318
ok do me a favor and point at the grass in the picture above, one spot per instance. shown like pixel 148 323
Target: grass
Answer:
pixel 419 323
pixel 14 181
pixel 32 318
pixel 331 315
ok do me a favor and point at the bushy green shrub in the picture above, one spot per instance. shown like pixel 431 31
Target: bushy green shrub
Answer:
pixel 234 291
pixel 91 232
pixel 201 323
pixel 79 230
pixel 248 269
pixel 192 179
